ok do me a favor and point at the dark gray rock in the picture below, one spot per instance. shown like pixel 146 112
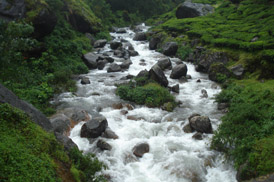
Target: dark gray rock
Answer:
pixel 101 64
pixel 201 124
pixel 154 42
pixel 90 59
pixel 109 59
pixel 170 48
pixel 140 36
pixel 175 88
pixel 79 115
pixel 266 178
pixel 91 38
pixel 198 136
pixel 103 145
pixel 100 43
pixel 143 73
pixel 126 63
pixel 133 53
pixel 11 10
pixel 222 106
pixel 66 141
pixel 6 96
pixel 85 80
pixel 164 63
pixel 114 68
pixel 94 128
pixel 238 71
pixel 178 71
pixel 129 46
pixel 140 149
pixel 191 10
pixel 156 74
pixel 115 45
pixel 216 70
pixel 110 134
pixel 120 53
pixel 204 93
pixel 187 129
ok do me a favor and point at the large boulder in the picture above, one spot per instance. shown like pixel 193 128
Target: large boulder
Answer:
pixel 157 74
pixel 153 43
pixel 170 48
pixel 238 71
pixel 140 149
pixel 178 71
pixel 100 43
pixel 94 128
pixel 126 63
pixel 114 68
pixel 60 123
pixel 85 80
pixel 115 45
pixel 90 59
pixel 6 96
pixel 201 124
pixel 143 73
pixel 66 141
pixel 218 72
pixel 191 10
pixel 206 60
pixel 101 64
pixel 164 63
pixel 11 10
pixel 141 36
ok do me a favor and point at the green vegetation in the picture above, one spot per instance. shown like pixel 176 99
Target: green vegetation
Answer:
pixel 246 130
pixel 28 153
pixel 150 94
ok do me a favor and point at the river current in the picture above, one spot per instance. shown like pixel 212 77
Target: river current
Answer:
pixel 174 155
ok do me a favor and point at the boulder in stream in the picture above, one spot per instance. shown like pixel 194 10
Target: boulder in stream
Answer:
pixel 178 71
pixel 90 59
pixel 115 45
pixel 175 88
pixel 170 48
pixel 103 145
pixel 100 43
pixel 201 124
pixel 140 149
pixel 114 68
pixel 153 43
pixel 157 74
pixel 85 80
pixel 140 36
pixel 94 127
pixel 164 63
pixel 108 133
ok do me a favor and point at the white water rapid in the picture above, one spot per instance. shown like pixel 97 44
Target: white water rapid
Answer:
pixel 174 155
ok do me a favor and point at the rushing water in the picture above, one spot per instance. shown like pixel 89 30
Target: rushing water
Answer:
pixel 174 155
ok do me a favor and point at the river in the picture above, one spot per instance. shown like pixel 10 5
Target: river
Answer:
pixel 174 155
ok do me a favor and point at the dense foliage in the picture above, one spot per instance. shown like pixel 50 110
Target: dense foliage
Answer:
pixel 246 130
pixel 28 153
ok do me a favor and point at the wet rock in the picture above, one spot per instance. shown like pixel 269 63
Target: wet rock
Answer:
pixel 134 118
pixel 164 63
pixel 100 43
pixel 140 149
pixel 101 64
pixel 119 53
pixel 124 112
pixel 238 71
pixel 156 74
pixel 142 60
pixel 109 59
pixel 175 88
pixel 153 43
pixel 193 115
pixel 222 106
pixel 187 129
pixel 142 64
pixel 170 48
pixel 198 136
pixel 126 63
pixel 178 71
pixel 191 10
pixel 188 77
pixel 182 79
pixel 201 124
pixel 66 141
pixel 129 46
pixel 133 53
pixel 121 30
pixel 129 107
pixel 108 133
pixel 143 73
pixel 79 115
pixel 199 81
pixel 60 123
pixel 204 93
pixel 90 59
pixel 115 45
pixel 128 158
pixel 103 145
pixel 95 94
pixel 85 80
pixel 140 36
pixel 94 127
pixel 114 68
pixel 117 106
pixel 216 70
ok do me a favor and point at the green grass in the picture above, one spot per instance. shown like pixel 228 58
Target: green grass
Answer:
pixel 245 132
pixel 151 95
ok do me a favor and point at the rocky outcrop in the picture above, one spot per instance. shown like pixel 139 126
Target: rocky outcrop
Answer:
pixel 218 72
pixel 201 124
pixel 140 149
pixel 170 48
pixel 156 74
pixel 6 96
pixel 60 123
pixel 164 63
pixel 178 71
pixel 94 128
pixel 141 36
pixel 66 141
pixel 191 10
pixel 11 10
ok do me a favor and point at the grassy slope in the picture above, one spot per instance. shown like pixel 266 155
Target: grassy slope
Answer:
pixel 247 130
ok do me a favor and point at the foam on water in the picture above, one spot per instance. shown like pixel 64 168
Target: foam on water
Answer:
pixel 174 156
